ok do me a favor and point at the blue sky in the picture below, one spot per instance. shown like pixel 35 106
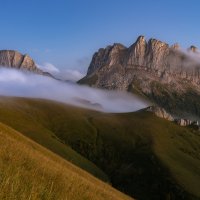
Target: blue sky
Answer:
pixel 66 33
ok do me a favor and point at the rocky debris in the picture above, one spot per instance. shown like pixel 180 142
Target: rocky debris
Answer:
pixel 160 112
pixel 188 122
pixel 16 60
pixel 183 122
pixel 195 123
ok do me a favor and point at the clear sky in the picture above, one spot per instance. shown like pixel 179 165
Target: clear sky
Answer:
pixel 66 33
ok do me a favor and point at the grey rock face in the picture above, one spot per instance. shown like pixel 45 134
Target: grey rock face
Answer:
pixel 14 59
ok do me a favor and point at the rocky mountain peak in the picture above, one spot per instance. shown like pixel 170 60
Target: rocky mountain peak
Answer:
pixel 140 40
pixel 155 56
pixel 151 68
pixel 136 52
pixel 16 60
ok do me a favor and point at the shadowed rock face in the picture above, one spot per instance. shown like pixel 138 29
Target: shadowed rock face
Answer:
pixel 163 73
pixel 14 59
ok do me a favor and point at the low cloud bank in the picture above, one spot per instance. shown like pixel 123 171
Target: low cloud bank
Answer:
pixel 63 74
pixel 70 75
pixel 23 84
pixel 193 58
pixel 48 67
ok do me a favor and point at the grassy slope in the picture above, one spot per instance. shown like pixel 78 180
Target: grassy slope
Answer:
pixel 29 171
pixel 143 155
pixel 25 119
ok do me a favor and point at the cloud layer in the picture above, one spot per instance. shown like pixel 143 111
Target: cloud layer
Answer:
pixel 17 83
pixel 63 74
pixel 193 58
pixel 48 67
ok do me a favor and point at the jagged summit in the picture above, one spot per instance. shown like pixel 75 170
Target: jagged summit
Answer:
pixel 154 55
pixel 140 39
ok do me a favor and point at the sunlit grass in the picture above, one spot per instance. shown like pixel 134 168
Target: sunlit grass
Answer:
pixel 29 171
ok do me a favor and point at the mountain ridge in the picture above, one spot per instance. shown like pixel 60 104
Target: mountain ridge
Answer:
pixel 162 73
pixel 154 55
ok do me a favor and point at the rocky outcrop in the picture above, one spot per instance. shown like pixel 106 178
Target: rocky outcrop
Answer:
pixel 167 75
pixel 188 122
pixel 160 112
pixel 183 122
pixel 14 59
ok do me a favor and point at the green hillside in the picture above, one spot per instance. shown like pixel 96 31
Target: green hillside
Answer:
pixel 34 123
pixel 143 156
pixel 30 171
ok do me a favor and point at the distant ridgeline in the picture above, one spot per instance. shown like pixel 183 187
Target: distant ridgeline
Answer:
pixel 166 75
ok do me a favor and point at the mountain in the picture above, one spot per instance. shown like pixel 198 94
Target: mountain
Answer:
pixel 138 153
pixel 167 75
pixel 16 60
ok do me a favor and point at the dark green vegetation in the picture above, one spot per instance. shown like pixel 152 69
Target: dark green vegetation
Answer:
pixel 33 120
pixel 143 156
pixel 176 102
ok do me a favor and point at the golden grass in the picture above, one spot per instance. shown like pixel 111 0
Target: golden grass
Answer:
pixel 28 171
